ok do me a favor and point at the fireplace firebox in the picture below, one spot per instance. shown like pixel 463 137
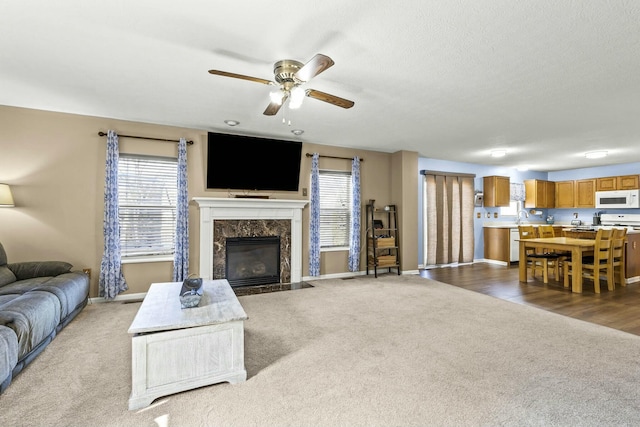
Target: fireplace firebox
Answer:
pixel 252 261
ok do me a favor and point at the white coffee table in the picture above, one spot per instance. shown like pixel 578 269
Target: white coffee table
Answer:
pixel 175 349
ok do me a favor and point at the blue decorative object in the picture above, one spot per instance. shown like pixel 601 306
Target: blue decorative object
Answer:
pixel 354 238
pixel 111 281
pixel 314 220
pixel 181 254
pixel 191 292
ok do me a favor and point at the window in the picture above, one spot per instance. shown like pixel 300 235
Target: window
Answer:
pixel 147 189
pixel 335 208
pixel 512 210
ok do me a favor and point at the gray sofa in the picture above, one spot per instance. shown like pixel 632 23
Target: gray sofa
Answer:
pixel 37 300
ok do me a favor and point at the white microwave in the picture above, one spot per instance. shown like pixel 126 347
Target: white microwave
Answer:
pixel 618 199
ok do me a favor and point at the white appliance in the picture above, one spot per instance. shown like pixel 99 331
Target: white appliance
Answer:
pixel 514 245
pixel 625 220
pixel 618 199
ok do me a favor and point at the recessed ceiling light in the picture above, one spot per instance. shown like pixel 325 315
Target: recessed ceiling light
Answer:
pixel 498 153
pixel 297 132
pixel 595 154
pixel 232 122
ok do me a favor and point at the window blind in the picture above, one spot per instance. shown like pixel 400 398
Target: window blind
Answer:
pixel 147 189
pixel 335 208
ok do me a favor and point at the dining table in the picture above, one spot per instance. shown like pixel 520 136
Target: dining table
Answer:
pixel 577 247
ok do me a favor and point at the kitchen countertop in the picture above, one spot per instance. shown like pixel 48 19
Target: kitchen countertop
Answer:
pixel 586 227
pixel 497 224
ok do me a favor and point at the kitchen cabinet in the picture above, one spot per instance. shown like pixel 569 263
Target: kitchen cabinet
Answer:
pixel 585 193
pixel 500 243
pixel 539 193
pixel 496 244
pixel 626 182
pixel 565 194
pixel 497 191
pixel 632 255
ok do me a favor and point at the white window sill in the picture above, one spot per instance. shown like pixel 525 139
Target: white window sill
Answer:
pixel 336 249
pixel 143 259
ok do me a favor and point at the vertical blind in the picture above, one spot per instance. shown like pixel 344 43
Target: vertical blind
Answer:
pixel 147 207
pixel 335 208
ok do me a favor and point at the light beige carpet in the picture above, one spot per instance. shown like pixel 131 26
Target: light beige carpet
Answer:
pixel 392 351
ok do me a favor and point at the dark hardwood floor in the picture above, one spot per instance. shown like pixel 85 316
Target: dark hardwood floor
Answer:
pixel 618 309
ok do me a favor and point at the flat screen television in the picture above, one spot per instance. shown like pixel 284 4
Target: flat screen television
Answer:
pixel 236 162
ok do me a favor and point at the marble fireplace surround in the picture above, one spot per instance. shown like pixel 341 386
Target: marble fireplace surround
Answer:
pixel 213 208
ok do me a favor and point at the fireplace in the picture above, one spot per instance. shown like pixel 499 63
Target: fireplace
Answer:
pixel 240 217
pixel 252 260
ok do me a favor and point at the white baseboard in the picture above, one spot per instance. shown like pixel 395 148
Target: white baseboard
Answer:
pixel 350 274
pixel 120 298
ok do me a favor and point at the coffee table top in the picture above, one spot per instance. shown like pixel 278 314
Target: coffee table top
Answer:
pixel 161 309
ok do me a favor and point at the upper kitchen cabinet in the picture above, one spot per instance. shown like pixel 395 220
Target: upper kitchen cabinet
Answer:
pixel 539 193
pixel 585 193
pixel 497 191
pixel 565 194
pixel 627 182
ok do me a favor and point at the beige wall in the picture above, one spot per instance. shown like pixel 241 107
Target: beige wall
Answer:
pixel 54 163
pixel 404 188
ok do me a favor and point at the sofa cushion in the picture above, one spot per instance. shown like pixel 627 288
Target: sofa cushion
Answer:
pixel 71 289
pixel 3 255
pixel 33 317
pixel 6 298
pixel 6 276
pixel 23 286
pixel 31 269
pixel 8 352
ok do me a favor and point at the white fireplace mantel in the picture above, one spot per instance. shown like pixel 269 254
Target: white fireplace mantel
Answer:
pixel 213 208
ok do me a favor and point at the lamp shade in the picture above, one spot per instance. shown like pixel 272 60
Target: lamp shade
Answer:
pixel 6 199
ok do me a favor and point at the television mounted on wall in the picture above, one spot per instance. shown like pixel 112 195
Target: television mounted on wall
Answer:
pixel 237 162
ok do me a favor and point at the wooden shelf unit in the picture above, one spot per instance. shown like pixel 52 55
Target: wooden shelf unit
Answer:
pixel 383 248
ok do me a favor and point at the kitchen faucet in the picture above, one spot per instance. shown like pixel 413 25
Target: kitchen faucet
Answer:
pixel 526 215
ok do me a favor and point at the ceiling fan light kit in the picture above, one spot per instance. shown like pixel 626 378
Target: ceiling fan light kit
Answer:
pixel 289 76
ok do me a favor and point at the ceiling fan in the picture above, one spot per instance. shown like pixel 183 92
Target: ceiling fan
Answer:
pixel 289 76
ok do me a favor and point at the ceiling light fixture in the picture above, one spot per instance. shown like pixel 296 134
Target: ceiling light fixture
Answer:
pixel 498 153
pixel 232 122
pixel 296 98
pixel 297 132
pixel 596 154
pixel 276 97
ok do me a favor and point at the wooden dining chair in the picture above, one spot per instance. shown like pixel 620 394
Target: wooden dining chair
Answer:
pixel 599 262
pixel 618 260
pixel 537 261
pixel 546 230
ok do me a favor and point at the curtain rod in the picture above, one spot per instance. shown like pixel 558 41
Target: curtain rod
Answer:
pixel 145 137
pixel 439 173
pixel 333 157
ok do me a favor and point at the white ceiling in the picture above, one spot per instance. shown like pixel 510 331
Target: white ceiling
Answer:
pixel 547 80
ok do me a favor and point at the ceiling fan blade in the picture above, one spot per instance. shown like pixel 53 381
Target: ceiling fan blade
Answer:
pixel 315 66
pixel 241 76
pixel 331 99
pixel 273 108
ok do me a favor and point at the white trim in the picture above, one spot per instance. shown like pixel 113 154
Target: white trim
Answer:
pixel 143 259
pixel 353 274
pixel 334 276
pixel 335 249
pixel 120 298
pixel 493 261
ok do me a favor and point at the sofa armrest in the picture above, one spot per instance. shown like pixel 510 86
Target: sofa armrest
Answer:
pixel 31 269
